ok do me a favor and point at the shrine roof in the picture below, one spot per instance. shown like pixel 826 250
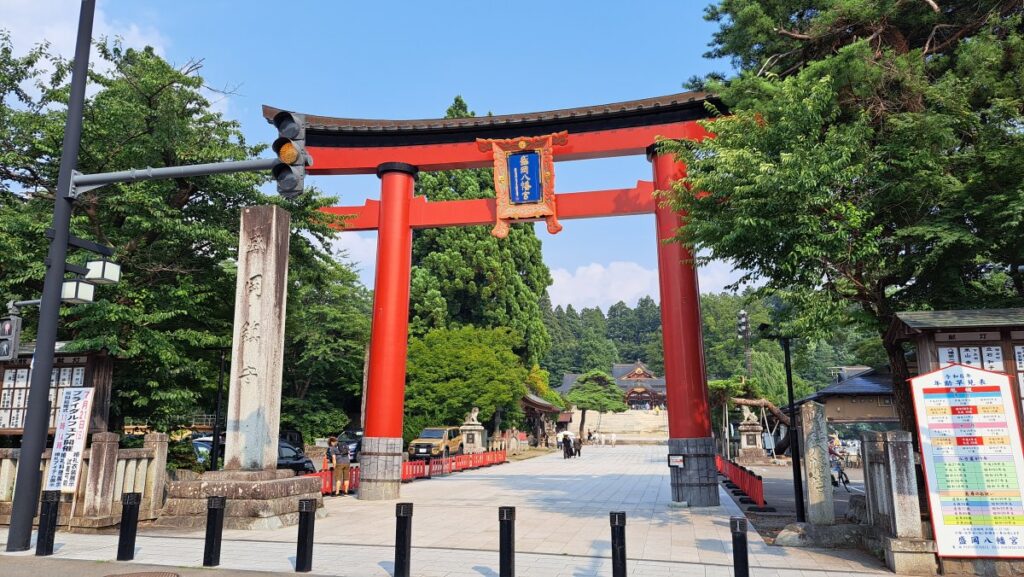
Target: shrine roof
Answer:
pixel 540 404
pixel 364 132
pixel 875 382
pixel 979 318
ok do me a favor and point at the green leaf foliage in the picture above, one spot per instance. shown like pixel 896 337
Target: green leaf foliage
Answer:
pixel 450 371
pixel 870 163
pixel 597 391
pixel 176 240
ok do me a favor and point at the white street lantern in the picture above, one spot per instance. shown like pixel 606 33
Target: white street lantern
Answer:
pixel 103 272
pixel 76 291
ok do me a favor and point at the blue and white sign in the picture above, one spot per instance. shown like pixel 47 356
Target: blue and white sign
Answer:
pixel 524 183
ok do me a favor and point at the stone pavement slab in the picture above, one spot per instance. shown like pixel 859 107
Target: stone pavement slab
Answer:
pixel 562 528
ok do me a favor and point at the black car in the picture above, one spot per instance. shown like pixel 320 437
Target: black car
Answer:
pixel 288 455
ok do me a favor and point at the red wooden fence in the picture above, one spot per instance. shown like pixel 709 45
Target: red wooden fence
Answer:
pixel 412 470
pixel 748 481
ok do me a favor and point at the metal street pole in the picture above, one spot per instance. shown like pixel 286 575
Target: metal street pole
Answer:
pixel 798 478
pixel 215 448
pixel 33 442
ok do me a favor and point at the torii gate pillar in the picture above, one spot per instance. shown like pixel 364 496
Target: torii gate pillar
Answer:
pixel 689 419
pixel 380 461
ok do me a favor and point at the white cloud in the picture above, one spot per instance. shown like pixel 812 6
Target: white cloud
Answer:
pixel 598 285
pixel 361 249
pixel 716 275
pixel 31 22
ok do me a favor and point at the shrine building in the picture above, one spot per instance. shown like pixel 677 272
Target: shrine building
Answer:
pixel 640 386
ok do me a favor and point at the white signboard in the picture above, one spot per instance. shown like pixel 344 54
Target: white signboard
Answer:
pixel 74 412
pixel 973 461
pixel 992 357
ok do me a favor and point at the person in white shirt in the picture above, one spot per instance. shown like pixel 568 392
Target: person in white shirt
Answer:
pixel 613 439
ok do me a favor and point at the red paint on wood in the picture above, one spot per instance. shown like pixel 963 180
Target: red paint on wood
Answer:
pixel 430 157
pixel 425 214
pixel 385 388
pixel 685 381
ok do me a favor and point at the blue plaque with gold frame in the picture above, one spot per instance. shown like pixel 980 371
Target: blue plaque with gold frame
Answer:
pixel 524 178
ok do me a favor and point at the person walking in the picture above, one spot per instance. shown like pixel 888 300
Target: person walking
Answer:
pixel 566 446
pixel 577 446
pixel 613 439
pixel 338 460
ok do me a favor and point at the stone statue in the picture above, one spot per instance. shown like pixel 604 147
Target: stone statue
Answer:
pixel 748 415
pixel 471 417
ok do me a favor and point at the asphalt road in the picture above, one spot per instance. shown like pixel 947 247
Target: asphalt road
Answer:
pixel 778 488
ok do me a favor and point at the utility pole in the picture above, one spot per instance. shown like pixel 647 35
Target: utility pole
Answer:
pixel 743 333
pixel 33 441
pixel 798 476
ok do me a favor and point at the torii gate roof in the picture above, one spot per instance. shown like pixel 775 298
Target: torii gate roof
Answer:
pixel 358 146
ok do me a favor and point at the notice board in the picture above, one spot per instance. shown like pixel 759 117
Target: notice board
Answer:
pixel 973 461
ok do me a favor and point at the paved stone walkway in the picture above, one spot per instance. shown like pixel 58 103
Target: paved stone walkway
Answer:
pixel 562 528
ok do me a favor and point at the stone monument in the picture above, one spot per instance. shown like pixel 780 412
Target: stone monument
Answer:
pixel 818 470
pixel 751 440
pixel 473 433
pixel 259 495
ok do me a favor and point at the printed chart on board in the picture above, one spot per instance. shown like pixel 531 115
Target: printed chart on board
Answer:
pixel 971 451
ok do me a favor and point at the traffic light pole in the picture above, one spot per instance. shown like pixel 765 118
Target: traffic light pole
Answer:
pixel 87 182
pixel 798 476
pixel 33 443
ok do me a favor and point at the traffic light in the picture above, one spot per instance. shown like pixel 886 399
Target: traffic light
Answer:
pixel 742 324
pixel 290 148
pixel 10 333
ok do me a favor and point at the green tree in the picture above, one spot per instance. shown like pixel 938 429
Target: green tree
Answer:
pixel 175 239
pixel 596 391
pixel 868 160
pixel 327 330
pixel 537 381
pixel 450 371
pixel 464 276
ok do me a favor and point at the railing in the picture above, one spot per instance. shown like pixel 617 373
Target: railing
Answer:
pixel 107 473
pixel 412 470
pixel 745 479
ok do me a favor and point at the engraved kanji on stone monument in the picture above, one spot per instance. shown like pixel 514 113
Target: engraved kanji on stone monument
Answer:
pixel 254 400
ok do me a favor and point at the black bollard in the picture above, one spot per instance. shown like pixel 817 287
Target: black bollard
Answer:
pixel 740 564
pixel 214 530
pixel 129 526
pixel 618 521
pixel 403 538
pixel 49 510
pixel 304 552
pixel 506 541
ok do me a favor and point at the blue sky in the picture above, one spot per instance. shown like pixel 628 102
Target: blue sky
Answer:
pixel 408 60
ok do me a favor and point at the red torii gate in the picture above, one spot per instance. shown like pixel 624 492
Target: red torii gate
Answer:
pixel 397 150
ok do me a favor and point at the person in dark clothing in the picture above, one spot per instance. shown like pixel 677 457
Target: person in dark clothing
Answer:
pixel 577 444
pixel 338 461
pixel 566 447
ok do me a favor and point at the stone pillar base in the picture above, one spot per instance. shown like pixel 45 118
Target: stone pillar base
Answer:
pixel 752 457
pixel 696 482
pixel 255 499
pixel 380 468
pixel 917 557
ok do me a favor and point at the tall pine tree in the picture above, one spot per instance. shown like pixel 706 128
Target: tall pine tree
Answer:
pixel 464 276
